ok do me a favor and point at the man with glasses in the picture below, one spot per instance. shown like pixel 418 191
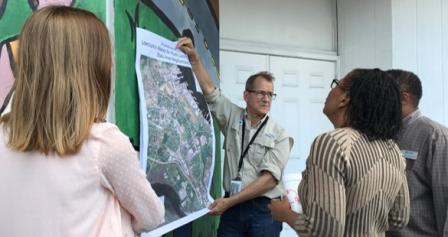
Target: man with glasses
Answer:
pixel 424 144
pixel 257 150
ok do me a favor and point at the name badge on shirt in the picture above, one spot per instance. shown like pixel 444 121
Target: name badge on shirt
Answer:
pixel 235 186
pixel 412 155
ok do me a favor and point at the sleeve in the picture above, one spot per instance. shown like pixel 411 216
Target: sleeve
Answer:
pixel 322 191
pixel 276 158
pixel 399 214
pixel 221 108
pixel 438 167
pixel 124 178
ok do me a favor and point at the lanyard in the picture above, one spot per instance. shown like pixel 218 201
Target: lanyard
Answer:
pixel 250 142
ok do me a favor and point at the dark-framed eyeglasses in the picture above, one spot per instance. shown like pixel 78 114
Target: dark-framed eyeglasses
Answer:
pixel 261 94
pixel 335 83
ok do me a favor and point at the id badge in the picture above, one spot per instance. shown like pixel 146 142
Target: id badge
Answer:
pixel 411 155
pixel 235 187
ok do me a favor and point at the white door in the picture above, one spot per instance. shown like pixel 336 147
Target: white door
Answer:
pixel 301 86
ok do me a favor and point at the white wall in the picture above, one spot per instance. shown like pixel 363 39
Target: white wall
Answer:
pixel 445 57
pixel 404 34
pixel 303 24
pixel 365 35
pixel 420 44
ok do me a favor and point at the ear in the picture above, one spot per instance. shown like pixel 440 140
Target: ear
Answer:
pixel 245 95
pixel 344 100
pixel 405 98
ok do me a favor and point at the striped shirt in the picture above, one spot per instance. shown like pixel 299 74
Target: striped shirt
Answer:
pixel 352 187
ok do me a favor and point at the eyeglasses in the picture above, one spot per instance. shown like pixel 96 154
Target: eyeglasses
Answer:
pixel 335 83
pixel 261 94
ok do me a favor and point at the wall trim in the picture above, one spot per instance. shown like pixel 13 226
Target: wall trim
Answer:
pixel 242 46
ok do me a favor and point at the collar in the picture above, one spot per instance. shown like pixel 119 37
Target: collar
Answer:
pixel 246 116
pixel 408 120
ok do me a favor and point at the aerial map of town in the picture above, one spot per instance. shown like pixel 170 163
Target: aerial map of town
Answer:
pixel 180 137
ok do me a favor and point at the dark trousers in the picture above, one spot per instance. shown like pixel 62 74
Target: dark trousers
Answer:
pixel 251 218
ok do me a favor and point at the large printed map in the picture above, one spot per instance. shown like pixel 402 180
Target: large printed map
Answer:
pixel 178 137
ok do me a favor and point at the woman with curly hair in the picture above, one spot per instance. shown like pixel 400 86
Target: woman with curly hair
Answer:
pixel 354 183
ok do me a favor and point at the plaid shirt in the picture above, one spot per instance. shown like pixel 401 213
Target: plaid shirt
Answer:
pixel 424 143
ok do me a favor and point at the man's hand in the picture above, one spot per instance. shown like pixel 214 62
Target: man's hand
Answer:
pixel 219 206
pixel 186 45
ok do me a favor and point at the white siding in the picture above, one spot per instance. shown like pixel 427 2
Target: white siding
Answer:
pixel 420 44
pixel 364 33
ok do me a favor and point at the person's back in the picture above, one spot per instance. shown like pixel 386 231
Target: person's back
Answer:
pixel 430 139
pixel 49 195
pixel 64 172
pixel 424 144
pixel 372 176
pixel 354 183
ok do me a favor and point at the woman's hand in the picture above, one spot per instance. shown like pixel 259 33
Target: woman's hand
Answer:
pixel 279 209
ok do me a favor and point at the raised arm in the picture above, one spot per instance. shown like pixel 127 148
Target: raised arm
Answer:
pixel 186 45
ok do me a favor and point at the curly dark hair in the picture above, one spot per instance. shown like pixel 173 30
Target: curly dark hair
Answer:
pixel 374 108
pixel 409 82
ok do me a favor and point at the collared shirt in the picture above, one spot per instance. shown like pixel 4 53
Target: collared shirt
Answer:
pixel 424 144
pixel 269 151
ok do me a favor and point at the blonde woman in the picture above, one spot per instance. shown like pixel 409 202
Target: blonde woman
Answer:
pixel 63 171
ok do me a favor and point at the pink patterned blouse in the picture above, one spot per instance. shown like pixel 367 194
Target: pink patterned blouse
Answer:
pixel 101 191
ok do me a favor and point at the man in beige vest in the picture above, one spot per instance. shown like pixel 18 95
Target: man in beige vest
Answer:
pixel 257 150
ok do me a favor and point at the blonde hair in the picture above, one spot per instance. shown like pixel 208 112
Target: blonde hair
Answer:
pixel 63 81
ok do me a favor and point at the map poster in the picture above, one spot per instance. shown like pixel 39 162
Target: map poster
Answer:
pixel 177 140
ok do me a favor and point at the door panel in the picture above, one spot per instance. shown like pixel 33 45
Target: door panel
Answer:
pixel 301 86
